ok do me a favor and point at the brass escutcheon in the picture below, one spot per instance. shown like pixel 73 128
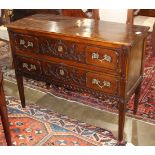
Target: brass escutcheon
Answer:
pixel 62 72
pixel 60 48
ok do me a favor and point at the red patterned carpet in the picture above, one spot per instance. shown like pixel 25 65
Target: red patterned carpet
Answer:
pixel 146 110
pixel 38 126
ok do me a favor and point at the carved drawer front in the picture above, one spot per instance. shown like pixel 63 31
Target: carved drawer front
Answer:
pixel 102 57
pixel 28 66
pixel 65 74
pixel 62 49
pixel 104 83
pixel 26 43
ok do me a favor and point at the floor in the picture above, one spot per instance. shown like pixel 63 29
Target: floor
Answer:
pixel 136 132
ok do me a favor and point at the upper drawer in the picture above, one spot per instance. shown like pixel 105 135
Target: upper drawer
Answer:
pixel 25 42
pixel 102 57
pixel 70 50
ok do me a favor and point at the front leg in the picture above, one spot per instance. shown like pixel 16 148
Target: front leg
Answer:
pixel 20 85
pixel 136 99
pixel 121 120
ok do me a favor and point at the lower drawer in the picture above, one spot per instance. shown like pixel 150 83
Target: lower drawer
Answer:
pixel 103 83
pixel 68 75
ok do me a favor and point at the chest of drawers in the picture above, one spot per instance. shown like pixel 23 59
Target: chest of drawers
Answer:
pixel 101 58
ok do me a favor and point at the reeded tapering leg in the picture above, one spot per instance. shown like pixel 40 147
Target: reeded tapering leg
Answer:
pixel 20 85
pixel 136 99
pixel 121 120
pixel 4 117
pixel 11 65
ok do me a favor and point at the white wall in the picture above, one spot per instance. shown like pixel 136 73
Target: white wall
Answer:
pixel 114 15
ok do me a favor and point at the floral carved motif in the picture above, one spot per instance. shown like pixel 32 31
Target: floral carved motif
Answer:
pixel 62 49
pixel 65 74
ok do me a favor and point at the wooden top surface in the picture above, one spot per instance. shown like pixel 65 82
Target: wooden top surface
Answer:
pixel 81 27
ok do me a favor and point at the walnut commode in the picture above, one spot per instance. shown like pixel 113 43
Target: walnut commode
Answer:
pixel 104 59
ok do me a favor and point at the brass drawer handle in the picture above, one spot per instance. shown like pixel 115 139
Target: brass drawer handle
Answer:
pixel 29 43
pixel 105 57
pixel 104 83
pixel 32 67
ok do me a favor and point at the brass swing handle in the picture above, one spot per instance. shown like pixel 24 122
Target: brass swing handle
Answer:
pixel 23 42
pixel 101 84
pixel 105 57
pixel 29 68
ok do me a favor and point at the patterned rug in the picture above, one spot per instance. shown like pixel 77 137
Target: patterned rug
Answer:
pixel 146 110
pixel 38 126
